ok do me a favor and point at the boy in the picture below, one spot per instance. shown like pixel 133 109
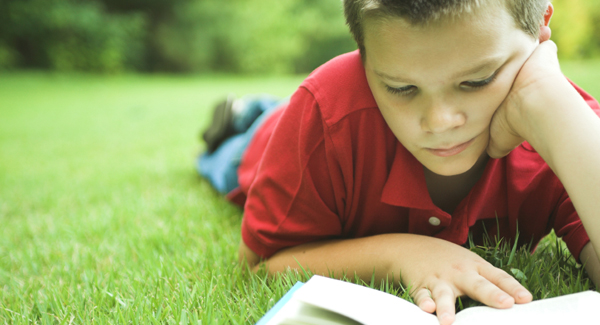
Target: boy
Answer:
pixel 386 159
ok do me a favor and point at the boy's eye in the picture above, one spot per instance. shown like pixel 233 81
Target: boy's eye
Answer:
pixel 402 91
pixel 480 83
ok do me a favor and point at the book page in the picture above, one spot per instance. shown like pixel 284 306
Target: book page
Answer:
pixel 365 305
pixel 298 312
pixel 579 308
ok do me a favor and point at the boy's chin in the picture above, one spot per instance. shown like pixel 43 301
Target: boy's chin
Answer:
pixel 448 171
pixel 454 168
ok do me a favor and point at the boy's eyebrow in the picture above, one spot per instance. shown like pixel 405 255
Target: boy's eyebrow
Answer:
pixel 491 62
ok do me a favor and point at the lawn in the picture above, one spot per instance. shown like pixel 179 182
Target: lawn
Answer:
pixel 104 220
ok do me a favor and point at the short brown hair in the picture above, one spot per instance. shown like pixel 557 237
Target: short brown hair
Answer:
pixel 528 14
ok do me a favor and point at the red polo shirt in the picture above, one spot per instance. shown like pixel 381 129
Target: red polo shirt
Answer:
pixel 328 166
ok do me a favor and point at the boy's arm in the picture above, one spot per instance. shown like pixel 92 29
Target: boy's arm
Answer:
pixel 438 271
pixel 545 110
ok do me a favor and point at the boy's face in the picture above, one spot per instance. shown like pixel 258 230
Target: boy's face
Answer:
pixel 438 86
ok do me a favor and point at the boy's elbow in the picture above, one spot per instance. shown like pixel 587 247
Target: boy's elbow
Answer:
pixel 248 256
pixel 589 257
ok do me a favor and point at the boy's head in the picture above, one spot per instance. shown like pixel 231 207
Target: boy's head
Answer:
pixel 527 14
pixel 439 69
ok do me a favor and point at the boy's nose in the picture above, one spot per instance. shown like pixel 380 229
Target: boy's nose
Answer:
pixel 440 117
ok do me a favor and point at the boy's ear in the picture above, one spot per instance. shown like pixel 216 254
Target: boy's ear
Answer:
pixel 545 28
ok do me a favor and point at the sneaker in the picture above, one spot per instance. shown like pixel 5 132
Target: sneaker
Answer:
pixel 221 127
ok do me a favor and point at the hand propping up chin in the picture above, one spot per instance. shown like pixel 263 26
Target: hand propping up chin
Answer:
pixel 537 81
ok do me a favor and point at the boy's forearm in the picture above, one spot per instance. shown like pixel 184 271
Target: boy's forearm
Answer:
pixel 407 257
pixel 383 257
pixel 566 133
pixel 363 257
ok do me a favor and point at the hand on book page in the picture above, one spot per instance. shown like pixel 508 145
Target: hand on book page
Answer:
pixel 440 271
pixel 325 301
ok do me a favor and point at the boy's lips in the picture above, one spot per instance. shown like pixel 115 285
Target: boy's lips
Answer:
pixel 451 151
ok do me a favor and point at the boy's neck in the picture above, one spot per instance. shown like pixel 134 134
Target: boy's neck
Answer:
pixel 447 192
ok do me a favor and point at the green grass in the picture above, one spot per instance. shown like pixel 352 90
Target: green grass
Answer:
pixel 104 220
pixel 585 74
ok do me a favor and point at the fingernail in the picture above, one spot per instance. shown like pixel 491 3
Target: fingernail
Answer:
pixel 503 298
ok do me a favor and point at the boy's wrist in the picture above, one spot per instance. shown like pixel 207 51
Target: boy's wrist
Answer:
pixel 550 116
pixel 540 107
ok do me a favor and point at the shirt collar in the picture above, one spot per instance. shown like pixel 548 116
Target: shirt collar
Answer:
pixel 405 185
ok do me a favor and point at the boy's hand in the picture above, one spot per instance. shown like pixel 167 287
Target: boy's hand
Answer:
pixel 438 271
pixel 537 78
pixel 444 271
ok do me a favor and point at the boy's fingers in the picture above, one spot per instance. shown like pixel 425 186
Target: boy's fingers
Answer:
pixel 486 292
pixel 502 138
pixel 424 301
pixel 498 149
pixel 445 300
pixel 508 284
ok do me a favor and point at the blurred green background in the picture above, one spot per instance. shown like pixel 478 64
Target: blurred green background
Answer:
pixel 197 36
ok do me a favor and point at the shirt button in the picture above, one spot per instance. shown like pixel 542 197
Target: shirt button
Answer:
pixel 434 221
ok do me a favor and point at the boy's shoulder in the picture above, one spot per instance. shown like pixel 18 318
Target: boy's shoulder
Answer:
pixel 340 87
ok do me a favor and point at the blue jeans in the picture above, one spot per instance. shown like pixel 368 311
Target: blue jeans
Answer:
pixel 220 167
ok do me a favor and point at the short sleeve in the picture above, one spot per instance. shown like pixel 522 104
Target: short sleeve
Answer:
pixel 568 226
pixel 291 199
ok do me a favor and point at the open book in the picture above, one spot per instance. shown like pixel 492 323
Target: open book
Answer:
pixel 328 301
